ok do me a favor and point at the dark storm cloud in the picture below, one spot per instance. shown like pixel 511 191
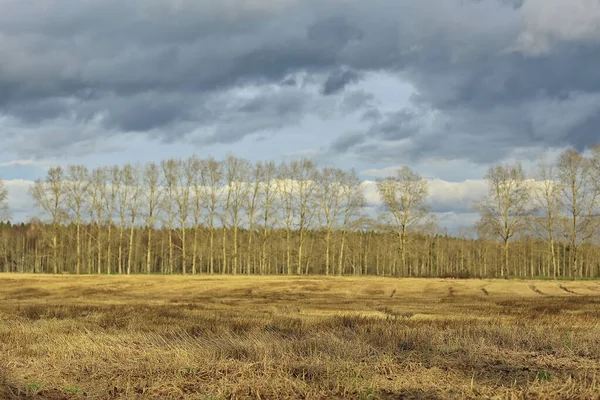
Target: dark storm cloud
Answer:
pixel 487 74
pixel 267 111
pixel 337 81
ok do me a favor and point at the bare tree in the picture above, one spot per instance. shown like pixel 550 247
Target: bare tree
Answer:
pixel 186 179
pixel 122 192
pixel 404 196
pixel 329 183
pixel 304 174
pixel 76 200
pixel 129 198
pixel 4 215
pixel 595 174
pixel 211 179
pixel 4 210
pixel 98 193
pixel 170 171
pixel 580 196
pixel 251 203
pixel 49 195
pixel 113 176
pixel 153 196
pixel 547 204
pixel 236 180
pixel 351 205
pixel 595 164
pixel 507 207
pixel 268 207
pixel 285 191
pixel 195 178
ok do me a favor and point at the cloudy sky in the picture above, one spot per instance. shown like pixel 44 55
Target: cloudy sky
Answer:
pixel 445 86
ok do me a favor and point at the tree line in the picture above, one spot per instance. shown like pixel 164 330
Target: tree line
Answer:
pixel 204 216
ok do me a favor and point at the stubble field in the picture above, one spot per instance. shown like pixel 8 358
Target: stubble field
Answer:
pixel 213 337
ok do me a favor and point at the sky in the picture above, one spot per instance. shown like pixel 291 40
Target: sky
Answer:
pixel 447 87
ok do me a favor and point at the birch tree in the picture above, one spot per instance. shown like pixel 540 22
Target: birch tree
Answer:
pixel 580 201
pixel 4 210
pixel 595 164
pixel 546 197
pixel 507 207
pixel 113 175
pixel 49 195
pixel 211 180
pixel 129 199
pixel 329 197
pixel 170 171
pixel 185 182
pixel 351 205
pixel 98 193
pixel 403 197
pixel 194 176
pixel 236 180
pixel 121 206
pixel 595 175
pixel 304 173
pixel 286 193
pixel 4 215
pixel 268 207
pixel 76 200
pixel 153 198
pixel 251 203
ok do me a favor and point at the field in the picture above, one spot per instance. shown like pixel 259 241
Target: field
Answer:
pixel 213 337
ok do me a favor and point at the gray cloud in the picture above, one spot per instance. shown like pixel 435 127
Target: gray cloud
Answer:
pixel 346 141
pixel 337 81
pixel 489 76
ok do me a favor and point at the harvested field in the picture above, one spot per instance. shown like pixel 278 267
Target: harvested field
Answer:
pixel 214 337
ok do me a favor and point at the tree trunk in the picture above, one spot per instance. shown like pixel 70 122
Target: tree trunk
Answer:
pixel 90 260
pixel 149 252
pixel 289 251
pixel 235 249
pixel 224 251
pixel 403 254
pixel 120 259
pixel 249 251
pixel 78 266
pixel 341 257
pixel 130 254
pixel 506 268
pixel 327 246
pixel 300 244
pixel 183 250
pixel 109 250
pixel 195 250
pixel 171 260
pixel 55 252
pixel 212 250
pixel 99 249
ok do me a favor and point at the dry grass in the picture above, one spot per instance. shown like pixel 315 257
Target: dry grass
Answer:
pixel 210 337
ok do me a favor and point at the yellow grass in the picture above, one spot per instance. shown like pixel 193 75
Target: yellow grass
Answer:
pixel 214 337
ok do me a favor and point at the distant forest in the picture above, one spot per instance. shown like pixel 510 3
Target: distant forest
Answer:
pixel 203 216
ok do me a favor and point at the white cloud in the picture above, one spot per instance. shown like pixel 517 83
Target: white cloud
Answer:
pixel 380 173
pixel 456 195
pixel 26 163
pixel 19 202
pixel 548 21
pixel 443 196
pixel 457 223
